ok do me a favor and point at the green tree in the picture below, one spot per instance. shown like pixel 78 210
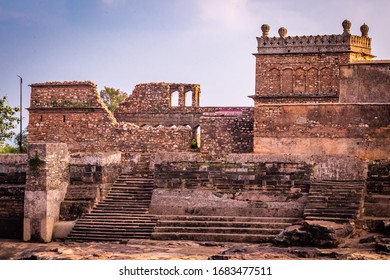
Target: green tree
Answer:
pixel 7 120
pixel 112 97
pixel 24 140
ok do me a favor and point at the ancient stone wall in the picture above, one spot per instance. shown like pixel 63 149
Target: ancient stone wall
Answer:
pixel 237 184
pixel 12 187
pixel 326 129
pixel 377 201
pixel 365 82
pixel 73 113
pixel 159 98
pixel 227 131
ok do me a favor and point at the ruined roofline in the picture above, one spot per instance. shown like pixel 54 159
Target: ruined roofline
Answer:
pixel 64 83
pixel 344 42
pixel 167 83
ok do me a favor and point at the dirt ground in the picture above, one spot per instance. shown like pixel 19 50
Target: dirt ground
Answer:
pixel 184 250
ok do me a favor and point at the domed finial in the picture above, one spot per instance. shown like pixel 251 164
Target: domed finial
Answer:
pixel 265 28
pixel 347 27
pixel 364 29
pixel 282 32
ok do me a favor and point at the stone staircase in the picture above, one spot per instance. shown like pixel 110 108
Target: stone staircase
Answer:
pixel 377 199
pixel 220 228
pixel 337 201
pixel 121 215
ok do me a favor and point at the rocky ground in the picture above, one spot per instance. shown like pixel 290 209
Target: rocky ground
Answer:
pixel 369 247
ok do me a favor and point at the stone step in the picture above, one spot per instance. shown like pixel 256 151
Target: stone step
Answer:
pixel 116 224
pixel 216 237
pixel 114 208
pixel 333 219
pixel 124 211
pixel 229 218
pixel 130 204
pixel 208 230
pixel 102 229
pixel 331 210
pixel 120 216
pixel 326 214
pixel 118 200
pixel 107 237
pixel 176 223
pixel 377 199
pixel 347 206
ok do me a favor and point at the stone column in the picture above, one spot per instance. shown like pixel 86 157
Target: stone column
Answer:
pixel 46 185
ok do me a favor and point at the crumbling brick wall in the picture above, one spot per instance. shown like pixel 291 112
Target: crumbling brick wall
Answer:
pixel 228 131
pixel 73 113
pixel 12 188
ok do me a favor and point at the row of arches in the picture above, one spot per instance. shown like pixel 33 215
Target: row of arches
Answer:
pixel 188 99
pixel 300 80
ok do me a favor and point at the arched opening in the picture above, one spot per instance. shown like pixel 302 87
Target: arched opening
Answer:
pixel 188 98
pixel 274 81
pixel 326 80
pixel 197 136
pixel 174 99
pixel 287 81
pixel 312 80
pixel 299 81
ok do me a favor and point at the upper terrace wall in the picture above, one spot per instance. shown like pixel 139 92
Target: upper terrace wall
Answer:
pixel 365 82
pixel 73 113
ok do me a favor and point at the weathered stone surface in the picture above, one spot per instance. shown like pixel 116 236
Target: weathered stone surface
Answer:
pixel 314 233
pixel 362 77
pixel 383 245
pixel 45 190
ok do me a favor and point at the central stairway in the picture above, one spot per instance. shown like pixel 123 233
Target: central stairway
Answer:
pixel 337 201
pixel 122 215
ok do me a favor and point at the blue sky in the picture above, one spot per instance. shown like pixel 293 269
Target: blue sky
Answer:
pixel 120 43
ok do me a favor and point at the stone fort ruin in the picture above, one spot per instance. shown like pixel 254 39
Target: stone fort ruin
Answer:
pixel 315 146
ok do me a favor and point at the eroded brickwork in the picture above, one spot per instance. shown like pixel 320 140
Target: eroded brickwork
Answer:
pixel 235 185
pixel 227 131
pixel 73 113
pixel 12 187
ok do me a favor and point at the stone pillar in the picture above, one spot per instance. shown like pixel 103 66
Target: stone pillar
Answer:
pixel 46 185
pixel 182 97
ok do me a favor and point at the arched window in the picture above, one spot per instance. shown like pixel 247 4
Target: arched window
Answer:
pixel 197 135
pixel 174 100
pixel 287 81
pixel 274 81
pixel 326 80
pixel 312 80
pixel 299 81
pixel 188 98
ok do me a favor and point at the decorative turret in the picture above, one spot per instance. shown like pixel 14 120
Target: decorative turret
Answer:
pixel 305 68
pixel 344 42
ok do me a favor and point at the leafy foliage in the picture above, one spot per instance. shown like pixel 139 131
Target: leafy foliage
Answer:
pixel 8 149
pixel 112 97
pixel 24 140
pixel 7 120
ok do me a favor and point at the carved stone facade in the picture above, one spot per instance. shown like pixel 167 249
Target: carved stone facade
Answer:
pixel 305 68
pixel 321 95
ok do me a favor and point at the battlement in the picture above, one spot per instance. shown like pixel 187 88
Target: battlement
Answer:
pixel 344 42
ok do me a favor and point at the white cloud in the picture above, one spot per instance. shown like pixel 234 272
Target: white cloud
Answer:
pixel 232 14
